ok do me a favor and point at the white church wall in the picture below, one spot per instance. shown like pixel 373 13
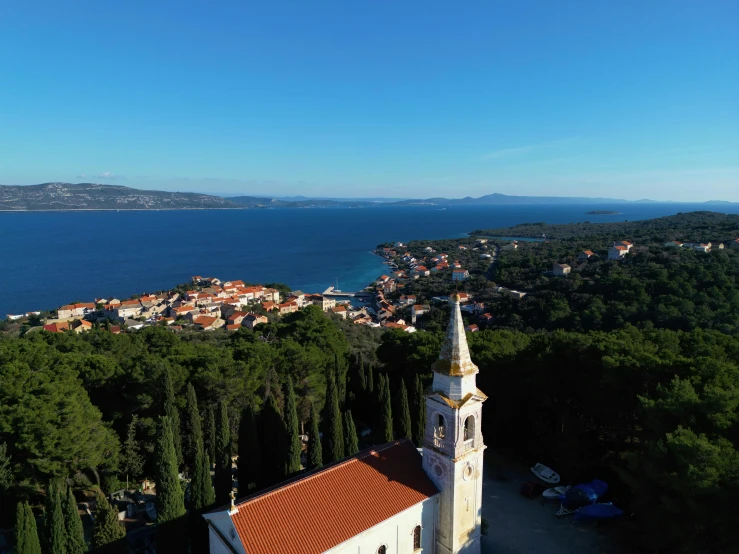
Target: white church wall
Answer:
pixel 396 533
pixel 223 522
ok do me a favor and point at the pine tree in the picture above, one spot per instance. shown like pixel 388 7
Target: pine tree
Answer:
pixel 224 478
pixel 250 454
pixel 419 411
pixel 26 534
pixel 108 533
pixel 386 412
pixel 274 443
pixel 403 413
pixel 171 411
pixel 315 451
pixel 75 534
pixel 334 432
pixel 55 532
pixel 209 433
pixel 294 446
pixel 170 501
pixel 350 434
pixel 132 462
pixel 192 432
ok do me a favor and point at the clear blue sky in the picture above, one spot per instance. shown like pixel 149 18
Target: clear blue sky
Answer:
pixel 393 98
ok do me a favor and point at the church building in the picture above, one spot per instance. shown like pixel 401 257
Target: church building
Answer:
pixel 389 499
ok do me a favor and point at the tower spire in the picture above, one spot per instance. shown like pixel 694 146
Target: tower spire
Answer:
pixel 455 354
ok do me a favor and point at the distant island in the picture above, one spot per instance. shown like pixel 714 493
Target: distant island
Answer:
pixel 93 196
pixel 601 212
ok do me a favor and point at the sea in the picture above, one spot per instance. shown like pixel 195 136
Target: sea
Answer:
pixel 48 259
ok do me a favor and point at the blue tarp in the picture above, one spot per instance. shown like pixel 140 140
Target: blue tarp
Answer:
pixel 582 495
pixel 597 511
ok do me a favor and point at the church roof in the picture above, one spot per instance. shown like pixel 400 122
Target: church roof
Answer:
pixel 323 509
pixel 455 355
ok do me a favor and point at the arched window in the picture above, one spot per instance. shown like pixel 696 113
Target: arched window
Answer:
pixel 382 550
pixel 417 538
pixel 440 426
pixel 469 428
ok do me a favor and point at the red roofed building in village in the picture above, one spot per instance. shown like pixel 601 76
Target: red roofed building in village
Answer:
pixel 384 500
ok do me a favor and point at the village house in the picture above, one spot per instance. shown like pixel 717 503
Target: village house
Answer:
pixel 561 269
pixel 480 242
pixel 57 327
pixel 698 246
pixel 236 318
pixel 407 299
pixel 625 243
pixel 421 271
pixel 81 326
pixel 463 297
pixel 389 286
pixel 323 302
pixel 269 306
pixel 134 324
pixel 298 296
pixel 460 275
pixel 429 250
pixel 485 256
pixel 418 309
pixel 287 308
pixel 734 243
pixel 272 295
pixel 233 326
pixel 486 319
pixel 252 320
pixel 617 252
pixel 472 328
pixel 341 311
pixel 585 255
pixel 181 311
pixel 207 322
pixel 674 244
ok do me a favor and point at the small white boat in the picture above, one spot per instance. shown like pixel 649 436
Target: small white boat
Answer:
pixel 554 493
pixel 546 474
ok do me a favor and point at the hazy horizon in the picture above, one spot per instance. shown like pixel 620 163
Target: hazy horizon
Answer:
pixel 417 99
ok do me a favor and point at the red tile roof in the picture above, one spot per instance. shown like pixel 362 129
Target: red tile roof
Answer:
pixel 329 505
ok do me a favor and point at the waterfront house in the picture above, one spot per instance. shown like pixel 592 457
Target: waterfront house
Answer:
pixel 460 275
pixel 323 302
pixel 561 269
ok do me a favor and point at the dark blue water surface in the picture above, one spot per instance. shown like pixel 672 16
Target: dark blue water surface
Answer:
pixel 51 258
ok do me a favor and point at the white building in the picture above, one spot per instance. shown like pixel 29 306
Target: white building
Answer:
pixel 561 269
pixel 384 500
pixel 617 252
pixel 460 275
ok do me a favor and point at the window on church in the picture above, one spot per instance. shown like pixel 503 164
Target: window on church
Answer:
pixel 382 550
pixel 469 428
pixel 440 426
pixel 417 538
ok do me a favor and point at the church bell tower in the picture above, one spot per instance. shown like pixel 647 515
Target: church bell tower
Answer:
pixel 452 445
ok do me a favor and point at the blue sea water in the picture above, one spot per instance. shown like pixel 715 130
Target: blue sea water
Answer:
pixel 51 258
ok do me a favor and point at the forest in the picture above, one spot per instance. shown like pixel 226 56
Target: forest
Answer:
pixel 625 371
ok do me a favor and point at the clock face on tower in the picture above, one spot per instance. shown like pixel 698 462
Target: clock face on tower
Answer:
pixel 438 470
pixel 467 472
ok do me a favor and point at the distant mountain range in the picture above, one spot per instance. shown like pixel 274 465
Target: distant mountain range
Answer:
pixel 91 196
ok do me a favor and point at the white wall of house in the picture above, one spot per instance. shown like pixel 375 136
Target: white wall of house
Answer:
pixel 396 533
pixel 222 521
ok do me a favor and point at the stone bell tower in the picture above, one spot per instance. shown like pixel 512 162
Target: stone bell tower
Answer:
pixel 452 445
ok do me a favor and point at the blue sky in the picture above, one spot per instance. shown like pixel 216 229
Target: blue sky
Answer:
pixel 626 99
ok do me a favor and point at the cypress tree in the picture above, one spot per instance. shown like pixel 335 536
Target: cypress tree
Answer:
pixel 108 534
pixel 370 373
pixel 294 446
pixel 26 534
pixel 386 412
pixel 350 434
pixel 404 413
pixel 419 412
pixel 170 498
pixel 210 492
pixel 132 462
pixel 334 433
pixel 224 477
pixel 315 452
pixel 250 453
pixel 192 432
pixel 362 376
pixel 73 523
pixel 55 532
pixel 209 433
pixel 274 443
pixel 171 411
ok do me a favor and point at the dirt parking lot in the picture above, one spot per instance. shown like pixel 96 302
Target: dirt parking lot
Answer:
pixel 518 525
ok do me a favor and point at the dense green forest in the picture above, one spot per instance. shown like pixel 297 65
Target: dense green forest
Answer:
pixel 626 371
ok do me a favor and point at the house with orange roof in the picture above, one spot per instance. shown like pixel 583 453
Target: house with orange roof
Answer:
pixel 236 318
pixel 585 255
pixel 233 326
pixel 340 310
pixel 207 322
pixel 269 306
pixel 617 252
pixel 287 308
pixel 420 271
pixel 57 327
pixel 252 320
pixel 81 326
